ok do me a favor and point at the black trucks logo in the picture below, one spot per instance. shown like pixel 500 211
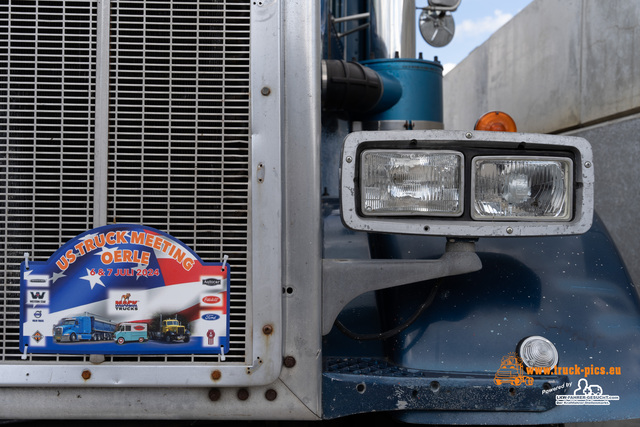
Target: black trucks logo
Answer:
pixel 126 303
pixel 211 281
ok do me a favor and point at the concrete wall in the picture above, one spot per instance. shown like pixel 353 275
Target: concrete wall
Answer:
pixel 573 67
pixel 556 65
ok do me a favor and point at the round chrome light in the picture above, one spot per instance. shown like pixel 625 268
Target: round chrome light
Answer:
pixel 538 352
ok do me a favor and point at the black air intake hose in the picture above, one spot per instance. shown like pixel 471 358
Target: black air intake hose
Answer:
pixel 349 87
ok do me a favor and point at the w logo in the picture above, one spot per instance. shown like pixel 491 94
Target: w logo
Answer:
pixel 38 295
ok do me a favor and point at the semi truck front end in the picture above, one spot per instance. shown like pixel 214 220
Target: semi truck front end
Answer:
pixel 276 175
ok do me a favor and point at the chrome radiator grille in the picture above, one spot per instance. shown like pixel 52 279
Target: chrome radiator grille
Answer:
pixel 178 136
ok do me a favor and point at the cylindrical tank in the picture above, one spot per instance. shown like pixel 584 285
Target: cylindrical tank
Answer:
pixel 420 106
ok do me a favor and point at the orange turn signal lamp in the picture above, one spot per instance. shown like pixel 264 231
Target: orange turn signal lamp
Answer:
pixel 496 121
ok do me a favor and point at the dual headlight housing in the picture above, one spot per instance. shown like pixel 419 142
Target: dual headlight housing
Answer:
pixel 470 184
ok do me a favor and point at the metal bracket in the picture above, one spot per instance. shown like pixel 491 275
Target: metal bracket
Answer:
pixel 343 280
pixel 365 15
pixel 441 8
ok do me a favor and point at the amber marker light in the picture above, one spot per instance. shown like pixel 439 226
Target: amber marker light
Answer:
pixel 496 121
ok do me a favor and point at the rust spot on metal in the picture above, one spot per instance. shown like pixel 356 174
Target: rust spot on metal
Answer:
pixel 267 329
pixel 86 374
pixel 289 361
pixel 214 394
pixel 216 375
pixel 271 395
pixel 243 394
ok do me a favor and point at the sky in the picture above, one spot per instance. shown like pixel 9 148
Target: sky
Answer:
pixel 475 21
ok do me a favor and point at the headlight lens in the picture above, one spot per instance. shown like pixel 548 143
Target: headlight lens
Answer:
pixel 522 188
pixel 419 182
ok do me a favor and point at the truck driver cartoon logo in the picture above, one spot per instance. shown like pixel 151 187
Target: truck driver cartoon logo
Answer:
pixel 511 371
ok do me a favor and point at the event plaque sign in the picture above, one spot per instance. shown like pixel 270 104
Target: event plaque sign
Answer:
pixel 124 289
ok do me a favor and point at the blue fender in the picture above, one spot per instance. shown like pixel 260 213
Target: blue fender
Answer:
pixel 574 291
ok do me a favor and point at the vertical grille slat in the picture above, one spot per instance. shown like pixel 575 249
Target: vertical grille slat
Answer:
pixel 178 136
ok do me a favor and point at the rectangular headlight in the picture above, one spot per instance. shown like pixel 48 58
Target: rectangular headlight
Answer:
pixel 521 188
pixel 411 182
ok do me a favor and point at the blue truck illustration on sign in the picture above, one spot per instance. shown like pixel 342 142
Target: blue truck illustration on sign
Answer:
pixel 83 328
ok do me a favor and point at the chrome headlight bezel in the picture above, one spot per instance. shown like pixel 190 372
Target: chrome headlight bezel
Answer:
pixel 472 145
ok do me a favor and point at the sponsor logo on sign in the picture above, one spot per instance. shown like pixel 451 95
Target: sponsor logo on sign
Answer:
pixel 126 303
pixel 210 316
pixel 211 299
pixel 38 297
pixel 212 281
pixel 37 336
pixel 37 316
pixel 211 334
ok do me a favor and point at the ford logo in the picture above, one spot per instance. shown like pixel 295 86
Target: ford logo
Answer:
pixel 210 316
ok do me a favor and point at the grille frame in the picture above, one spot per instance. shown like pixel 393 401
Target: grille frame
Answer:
pixel 263 354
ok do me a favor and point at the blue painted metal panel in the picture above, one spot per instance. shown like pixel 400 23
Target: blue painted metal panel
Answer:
pixel 360 385
pixel 572 290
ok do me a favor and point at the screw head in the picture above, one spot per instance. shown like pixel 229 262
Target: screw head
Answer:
pixel 289 361
pixel 216 375
pixel 468 135
pixel 86 374
pixel 587 164
pixel 509 230
pixel 267 329
pixel 214 394
pixel 265 91
pixel 243 394
pixel 349 159
pixel 271 395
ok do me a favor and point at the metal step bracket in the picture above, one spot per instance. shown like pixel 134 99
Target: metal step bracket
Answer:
pixel 344 279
